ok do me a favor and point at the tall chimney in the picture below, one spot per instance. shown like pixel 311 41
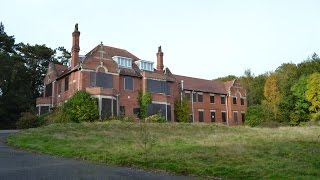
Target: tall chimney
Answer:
pixel 75 47
pixel 159 59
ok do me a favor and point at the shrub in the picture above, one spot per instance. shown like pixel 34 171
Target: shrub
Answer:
pixel 156 118
pixel 256 115
pixel 81 107
pixel 56 116
pixel 27 120
pixel 182 110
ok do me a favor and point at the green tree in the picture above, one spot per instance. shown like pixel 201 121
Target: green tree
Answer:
pixel 81 107
pixel 256 115
pixel 62 55
pixel 182 110
pixel 227 78
pixel 272 94
pixel 144 100
pixel 313 95
pixel 301 105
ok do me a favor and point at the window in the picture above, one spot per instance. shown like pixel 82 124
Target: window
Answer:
pixel 154 108
pixel 59 87
pixel 98 79
pixel 128 83
pixel 136 111
pixel 235 117
pixel 194 95
pixel 44 110
pixel 223 100
pixel 242 101
pixel 200 112
pixel 212 99
pixel 123 61
pixel 224 116
pixel 243 117
pixel 66 83
pixel 122 111
pixel 213 116
pixel 234 100
pixel 158 86
pixel 200 97
pixel 145 65
pixel 187 95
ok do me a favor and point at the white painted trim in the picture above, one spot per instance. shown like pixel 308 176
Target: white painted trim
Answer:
pixel 159 102
pixel 200 110
pixel 103 96
pixel 38 105
pixel 212 110
pixel 105 68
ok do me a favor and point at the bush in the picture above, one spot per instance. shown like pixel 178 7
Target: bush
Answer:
pixel 156 118
pixel 182 110
pixel 256 115
pixel 27 120
pixel 56 116
pixel 81 107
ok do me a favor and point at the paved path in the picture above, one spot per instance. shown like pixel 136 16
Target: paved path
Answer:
pixel 19 164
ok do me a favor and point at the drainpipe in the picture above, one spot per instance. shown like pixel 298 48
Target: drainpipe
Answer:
pixel 227 109
pixel 117 104
pixel 79 70
pixel 192 106
pixel 52 93
pixel 181 91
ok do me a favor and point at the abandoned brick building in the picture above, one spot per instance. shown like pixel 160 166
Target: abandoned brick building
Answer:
pixel 115 76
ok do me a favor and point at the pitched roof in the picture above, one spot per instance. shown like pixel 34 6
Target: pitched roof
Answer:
pixel 59 68
pixel 109 52
pixel 131 72
pixel 196 84
pixel 228 84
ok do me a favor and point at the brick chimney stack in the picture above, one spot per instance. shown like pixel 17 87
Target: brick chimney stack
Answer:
pixel 160 59
pixel 75 47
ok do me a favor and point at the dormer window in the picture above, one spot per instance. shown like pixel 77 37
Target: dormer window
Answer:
pixel 145 65
pixel 123 61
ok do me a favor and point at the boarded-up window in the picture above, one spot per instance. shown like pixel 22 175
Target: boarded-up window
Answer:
pixel 158 86
pixel 235 117
pixel 234 100
pixel 223 100
pixel 44 109
pixel 48 90
pixel 242 101
pixel 66 83
pixel 200 97
pixel 98 79
pixel 159 108
pixel 224 116
pixel 243 116
pixel 106 110
pixel 136 111
pixel 122 111
pixel 128 83
pixel 200 116
pixel 212 99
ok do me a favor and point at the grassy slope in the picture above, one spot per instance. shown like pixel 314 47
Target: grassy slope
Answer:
pixel 202 150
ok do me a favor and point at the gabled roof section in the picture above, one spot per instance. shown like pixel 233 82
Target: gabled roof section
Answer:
pixel 134 71
pixel 229 84
pixel 109 52
pixel 60 69
pixel 203 85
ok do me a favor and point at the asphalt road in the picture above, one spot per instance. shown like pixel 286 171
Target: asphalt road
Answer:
pixel 19 164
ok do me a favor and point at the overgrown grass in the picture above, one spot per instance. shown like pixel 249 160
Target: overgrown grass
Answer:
pixel 200 149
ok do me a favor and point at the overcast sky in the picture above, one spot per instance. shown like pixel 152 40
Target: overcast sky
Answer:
pixel 201 38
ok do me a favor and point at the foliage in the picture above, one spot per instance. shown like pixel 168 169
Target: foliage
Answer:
pixel 27 120
pixel 313 95
pixel 227 78
pixel 81 107
pixel 257 115
pixel 182 110
pixel 144 99
pixel 272 94
pixel 206 151
pixel 156 118
pixel 56 116
pixel 300 112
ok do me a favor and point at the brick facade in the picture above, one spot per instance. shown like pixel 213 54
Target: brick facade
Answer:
pixel 104 71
